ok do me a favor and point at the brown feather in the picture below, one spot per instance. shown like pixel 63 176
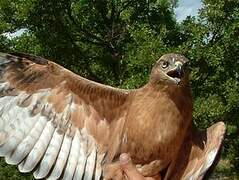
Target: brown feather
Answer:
pixel 195 151
pixel 150 123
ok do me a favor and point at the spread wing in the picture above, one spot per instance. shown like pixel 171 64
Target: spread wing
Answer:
pixel 198 154
pixel 54 122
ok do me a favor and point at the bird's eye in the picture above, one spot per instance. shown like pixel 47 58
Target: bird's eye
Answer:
pixel 164 64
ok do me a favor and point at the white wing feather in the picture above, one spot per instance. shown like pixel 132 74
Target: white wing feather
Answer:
pixel 36 137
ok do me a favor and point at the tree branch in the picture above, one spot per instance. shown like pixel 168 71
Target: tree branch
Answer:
pixel 93 38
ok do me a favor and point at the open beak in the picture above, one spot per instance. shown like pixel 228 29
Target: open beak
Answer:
pixel 178 71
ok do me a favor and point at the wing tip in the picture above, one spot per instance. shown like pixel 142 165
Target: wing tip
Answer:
pixel 16 56
pixel 6 58
pixel 33 58
pixel 221 124
pixel 219 128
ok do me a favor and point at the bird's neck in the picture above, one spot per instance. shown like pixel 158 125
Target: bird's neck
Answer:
pixel 159 84
pixel 156 87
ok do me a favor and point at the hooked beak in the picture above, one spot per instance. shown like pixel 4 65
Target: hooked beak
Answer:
pixel 178 71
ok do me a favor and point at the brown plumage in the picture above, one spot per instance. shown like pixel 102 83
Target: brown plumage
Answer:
pixel 60 125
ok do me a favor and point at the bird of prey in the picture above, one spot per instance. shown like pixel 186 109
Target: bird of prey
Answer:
pixel 62 126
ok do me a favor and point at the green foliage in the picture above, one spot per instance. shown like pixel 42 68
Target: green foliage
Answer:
pixel 11 172
pixel 116 42
pixel 213 46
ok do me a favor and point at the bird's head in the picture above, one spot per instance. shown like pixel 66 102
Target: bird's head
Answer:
pixel 170 69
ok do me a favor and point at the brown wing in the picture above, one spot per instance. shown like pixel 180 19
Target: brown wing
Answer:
pixel 54 122
pixel 198 153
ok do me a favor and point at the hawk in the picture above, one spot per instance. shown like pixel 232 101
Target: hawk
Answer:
pixel 60 125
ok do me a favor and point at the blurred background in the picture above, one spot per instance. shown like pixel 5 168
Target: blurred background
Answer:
pixel 116 42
